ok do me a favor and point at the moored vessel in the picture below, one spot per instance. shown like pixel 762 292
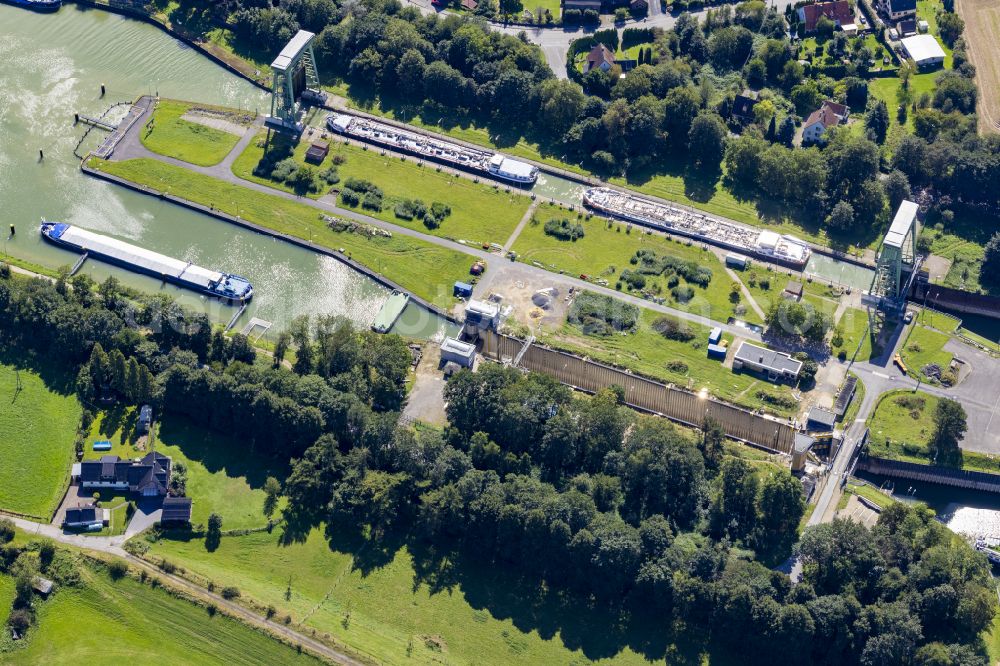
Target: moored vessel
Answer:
pixel 226 286
pixel 37 5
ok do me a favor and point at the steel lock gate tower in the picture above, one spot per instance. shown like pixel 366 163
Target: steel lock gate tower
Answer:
pixel 295 79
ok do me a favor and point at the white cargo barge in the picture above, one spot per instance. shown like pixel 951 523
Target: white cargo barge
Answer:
pixel 226 286
pixel 769 245
pixel 445 152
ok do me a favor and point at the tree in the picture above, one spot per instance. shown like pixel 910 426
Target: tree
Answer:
pixel 213 536
pixel 786 131
pixel 707 140
pixel 281 348
pixel 841 218
pixel 272 490
pixel 950 26
pixel 132 380
pixel 896 187
pixel 712 437
pixel 950 425
pixel 990 269
pixel 508 7
pixel 877 121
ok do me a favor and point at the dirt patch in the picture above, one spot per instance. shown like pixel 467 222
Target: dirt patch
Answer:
pixel 426 399
pixel 982 34
pixel 215 122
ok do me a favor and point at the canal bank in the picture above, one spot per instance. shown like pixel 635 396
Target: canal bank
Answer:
pixel 53 66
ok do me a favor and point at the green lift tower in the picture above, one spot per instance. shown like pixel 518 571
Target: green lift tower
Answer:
pixel 295 81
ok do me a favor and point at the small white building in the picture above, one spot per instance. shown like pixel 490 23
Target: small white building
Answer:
pixel 923 50
pixel 482 315
pixel 456 351
pixel 774 365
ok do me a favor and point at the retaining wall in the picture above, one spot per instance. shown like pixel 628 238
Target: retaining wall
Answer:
pixel 945 476
pixel 643 394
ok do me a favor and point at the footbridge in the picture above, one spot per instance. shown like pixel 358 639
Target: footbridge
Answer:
pixel 896 269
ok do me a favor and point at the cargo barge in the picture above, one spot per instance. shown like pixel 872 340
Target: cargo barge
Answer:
pixel 226 286
pixel 390 312
pixel 765 244
pixel 37 5
pixel 451 154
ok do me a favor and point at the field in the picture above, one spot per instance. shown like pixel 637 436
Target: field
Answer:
pixel 36 450
pixel 221 477
pixel 924 346
pixel 982 34
pixel 377 603
pixel 855 406
pixel 173 136
pixel 127 621
pixel 941 321
pixel 426 270
pixel 605 253
pixel 479 212
pixel 853 325
pixel 901 425
pixel 685 364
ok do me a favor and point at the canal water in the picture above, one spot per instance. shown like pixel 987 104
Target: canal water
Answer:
pixel 52 66
pixel 968 512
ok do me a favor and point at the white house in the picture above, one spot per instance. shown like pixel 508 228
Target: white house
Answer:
pixel 829 114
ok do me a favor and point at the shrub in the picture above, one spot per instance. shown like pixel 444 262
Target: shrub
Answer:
pixel 372 200
pixel 564 229
pixel 168 566
pixel 572 16
pixel 19 620
pixel 600 315
pixel 910 402
pixel 117 569
pixel 673 329
pixel 634 279
pixel 6 530
pixel 682 294
pixel 349 197
pixel 677 366
pixel 408 209
pixel 229 592
pixel 435 216
pixel 330 175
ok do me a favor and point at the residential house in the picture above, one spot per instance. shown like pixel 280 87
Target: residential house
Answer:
pixel 775 366
pixel 600 57
pixel 582 5
pixel 470 5
pixel 829 114
pixel 147 477
pixel 896 10
pixel 839 12
pixel 176 510
pixel 906 27
pixel 743 106
pixel 88 517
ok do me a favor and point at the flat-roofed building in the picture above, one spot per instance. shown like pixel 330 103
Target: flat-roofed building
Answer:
pixel 774 365
pixel 456 351
pixel 923 50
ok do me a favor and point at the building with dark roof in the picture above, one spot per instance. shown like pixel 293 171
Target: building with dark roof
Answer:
pixel 600 57
pixel 176 510
pixel 145 419
pixel 317 152
pixel 898 9
pixel 146 477
pixel 85 517
pixel 821 419
pixel 774 365
pixel 743 106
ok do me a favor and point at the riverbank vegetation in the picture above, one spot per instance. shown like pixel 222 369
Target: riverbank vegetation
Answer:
pixel 480 213
pixel 427 270
pixel 39 419
pixel 169 133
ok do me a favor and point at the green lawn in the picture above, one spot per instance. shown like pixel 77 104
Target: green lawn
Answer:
pixel 604 253
pixel 427 270
pixel 855 406
pixel 173 136
pixel 479 212
pixel 853 326
pixel 901 425
pixel 37 429
pixel 126 621
pixel 940 321
pixel 923 346
pixel 377 604
pixel 647 352
pixel 221 477
pixel 869 493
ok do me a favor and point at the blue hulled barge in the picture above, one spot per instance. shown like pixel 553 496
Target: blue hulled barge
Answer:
pixel 226 286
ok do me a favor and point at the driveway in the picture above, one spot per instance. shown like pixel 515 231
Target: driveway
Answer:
pixel 147 513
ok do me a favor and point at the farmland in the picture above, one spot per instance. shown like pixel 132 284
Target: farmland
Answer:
pixel 378 603
pixel 982 34
pixel 105 621
pixel 27 442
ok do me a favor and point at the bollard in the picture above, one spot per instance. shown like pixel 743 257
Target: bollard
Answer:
pixel 76 118
pixel 102 90
pixel 41 156
pixel 12 231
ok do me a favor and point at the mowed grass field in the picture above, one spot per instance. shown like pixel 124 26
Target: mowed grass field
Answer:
pixel 37 430
pixel 901 426
pixel 479 212
pixel 924 346
pixel 125 621
pixel 221 477
pixel 605 252
pixel 982 34
pixel 426 270
pixel 647 352
pixel 384 610
pixel 173 136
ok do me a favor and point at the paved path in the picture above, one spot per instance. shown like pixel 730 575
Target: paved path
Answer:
pixel 520 227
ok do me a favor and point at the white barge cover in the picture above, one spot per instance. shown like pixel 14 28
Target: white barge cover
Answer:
pixel 155 262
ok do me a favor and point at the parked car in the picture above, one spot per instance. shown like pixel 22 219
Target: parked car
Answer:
pixel 908 317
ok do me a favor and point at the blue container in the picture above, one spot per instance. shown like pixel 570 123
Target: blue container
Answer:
pixel 102 445
pixel 717 352
pixel 715 336
pixel 463 290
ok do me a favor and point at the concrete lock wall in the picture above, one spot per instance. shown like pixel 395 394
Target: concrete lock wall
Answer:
pixel 642 393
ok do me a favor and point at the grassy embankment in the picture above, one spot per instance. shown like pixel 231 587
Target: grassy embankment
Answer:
pixel 925 346
pixel 38 425
pixel 683 363
pixel 902 426
pixel 480 213
pixel 427 270
pixel 379 604
pixel 855 406
pixel 169 134
pixel 221 477
pixel 605 253
pixel 105 621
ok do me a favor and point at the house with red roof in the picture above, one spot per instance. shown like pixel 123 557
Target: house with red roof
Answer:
pixel 839 12
pixel 829 114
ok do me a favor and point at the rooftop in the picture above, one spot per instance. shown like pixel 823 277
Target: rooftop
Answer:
pixel 457 347
pixel 767 358
pixel 822 417
pixel 901 223
pixel 292 49
pixel 923 48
